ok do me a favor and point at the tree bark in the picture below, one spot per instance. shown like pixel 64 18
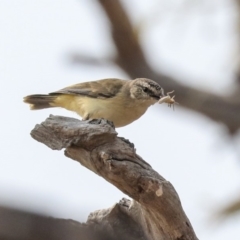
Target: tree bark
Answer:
pixel 155 211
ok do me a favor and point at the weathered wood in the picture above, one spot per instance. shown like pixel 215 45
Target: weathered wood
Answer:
pixel 21 225
pixel 155 212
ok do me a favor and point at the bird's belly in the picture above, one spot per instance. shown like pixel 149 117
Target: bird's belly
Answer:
pixel 112 111
pixel 93 108
pixel 120 117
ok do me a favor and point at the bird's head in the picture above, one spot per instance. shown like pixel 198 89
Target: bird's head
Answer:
pixel 146 90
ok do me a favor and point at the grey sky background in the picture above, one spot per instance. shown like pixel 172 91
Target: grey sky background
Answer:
pixel 196 42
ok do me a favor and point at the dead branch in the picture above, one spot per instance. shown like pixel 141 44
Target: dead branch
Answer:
pixel 156 211
pixel 22 225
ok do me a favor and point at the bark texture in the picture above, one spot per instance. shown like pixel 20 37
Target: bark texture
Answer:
pixel 155 211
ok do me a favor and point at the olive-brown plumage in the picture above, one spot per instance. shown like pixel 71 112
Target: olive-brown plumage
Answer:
pixel 120 101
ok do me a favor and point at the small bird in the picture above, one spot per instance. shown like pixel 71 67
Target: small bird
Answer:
pixel 117 100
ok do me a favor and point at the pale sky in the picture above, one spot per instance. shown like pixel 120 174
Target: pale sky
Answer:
pixel 195 43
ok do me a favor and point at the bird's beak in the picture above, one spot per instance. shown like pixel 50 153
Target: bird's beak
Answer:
pixel 158 97
pixel 162 93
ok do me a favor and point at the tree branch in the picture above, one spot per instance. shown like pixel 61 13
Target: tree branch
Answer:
pixel 156 207
pixel 131 58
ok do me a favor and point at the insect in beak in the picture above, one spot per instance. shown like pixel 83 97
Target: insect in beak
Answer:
pixel 168 99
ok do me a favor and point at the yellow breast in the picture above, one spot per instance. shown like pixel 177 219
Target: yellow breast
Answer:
pixel 113 109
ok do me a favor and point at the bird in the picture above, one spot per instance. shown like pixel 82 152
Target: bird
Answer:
pixel 117 100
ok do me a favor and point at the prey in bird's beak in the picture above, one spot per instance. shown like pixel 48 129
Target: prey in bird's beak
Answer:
pixel 168 99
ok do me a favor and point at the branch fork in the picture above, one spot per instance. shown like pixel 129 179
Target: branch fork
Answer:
pixel 155 211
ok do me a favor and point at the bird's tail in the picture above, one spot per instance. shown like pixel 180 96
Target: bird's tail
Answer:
pixel 40 101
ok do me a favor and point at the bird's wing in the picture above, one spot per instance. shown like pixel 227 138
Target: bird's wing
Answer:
pixel 106 88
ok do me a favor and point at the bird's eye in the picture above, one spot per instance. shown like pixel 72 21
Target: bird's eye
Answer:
pixel 145 89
